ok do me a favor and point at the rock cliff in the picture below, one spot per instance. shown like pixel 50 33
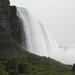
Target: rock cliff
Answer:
pixel 4 16
pixel 10 28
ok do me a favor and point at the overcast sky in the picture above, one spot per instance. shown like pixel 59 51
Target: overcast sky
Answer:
pixel 58 16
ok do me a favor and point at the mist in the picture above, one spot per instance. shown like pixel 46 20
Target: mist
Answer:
pixel 65 56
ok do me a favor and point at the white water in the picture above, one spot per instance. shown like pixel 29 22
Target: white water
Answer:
pixel 40 41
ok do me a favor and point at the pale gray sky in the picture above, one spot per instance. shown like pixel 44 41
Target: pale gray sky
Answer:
pixel 58 16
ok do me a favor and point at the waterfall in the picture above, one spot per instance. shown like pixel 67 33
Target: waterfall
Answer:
pixel 38 39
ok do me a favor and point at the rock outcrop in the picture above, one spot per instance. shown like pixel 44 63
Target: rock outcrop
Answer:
pixel 10 28
pixel 4 16
pixel 15 24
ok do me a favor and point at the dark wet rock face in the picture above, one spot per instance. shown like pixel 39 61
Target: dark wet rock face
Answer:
pixel 10 27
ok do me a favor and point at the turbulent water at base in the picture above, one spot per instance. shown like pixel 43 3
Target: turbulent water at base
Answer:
pixel 37 39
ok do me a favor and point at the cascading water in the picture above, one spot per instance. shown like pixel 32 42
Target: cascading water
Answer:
pixel 38 40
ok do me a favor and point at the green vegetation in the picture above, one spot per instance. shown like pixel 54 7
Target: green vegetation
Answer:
pixel 25 63
pixel 2 72
pixel 13 72
pixel 73 68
